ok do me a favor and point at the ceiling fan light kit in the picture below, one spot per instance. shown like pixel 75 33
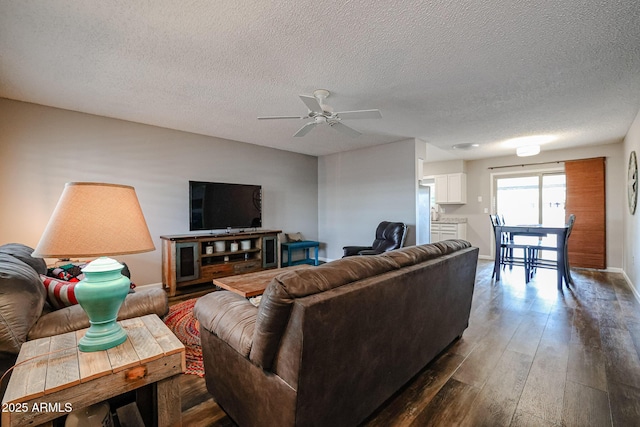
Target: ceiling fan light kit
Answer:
pixel 322 114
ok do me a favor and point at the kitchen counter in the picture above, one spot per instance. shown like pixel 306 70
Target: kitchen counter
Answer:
pixel 450 221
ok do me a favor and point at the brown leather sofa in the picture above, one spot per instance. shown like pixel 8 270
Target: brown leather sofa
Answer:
pixel 328 345
pixel 25 314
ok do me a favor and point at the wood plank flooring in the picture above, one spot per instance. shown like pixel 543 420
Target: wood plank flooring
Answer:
pixel 532 356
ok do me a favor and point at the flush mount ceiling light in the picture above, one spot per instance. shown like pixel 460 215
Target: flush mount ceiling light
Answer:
pixel 528 140
pixel 528 145
pixel 467 146
pixel 528 150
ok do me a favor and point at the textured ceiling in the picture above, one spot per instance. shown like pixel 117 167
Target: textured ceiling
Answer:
pixel 444 71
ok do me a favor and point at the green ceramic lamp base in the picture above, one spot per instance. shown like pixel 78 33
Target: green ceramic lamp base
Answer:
pixel 101 294
pixel 102 337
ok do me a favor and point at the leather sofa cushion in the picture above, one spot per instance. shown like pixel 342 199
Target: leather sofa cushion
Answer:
pixel 22 297
pixel 452 245
pixel 229 316
pixel 72 318
pixel 280 294
pixel 413 254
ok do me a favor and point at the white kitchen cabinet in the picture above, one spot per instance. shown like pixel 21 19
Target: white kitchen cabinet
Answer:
pixel 444 231
pixel 451 188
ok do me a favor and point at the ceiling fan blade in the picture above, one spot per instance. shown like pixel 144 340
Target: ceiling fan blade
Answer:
pixel 305 129
pixel 311 103
pixel 345 129
pixel 360 114
pixel 281 117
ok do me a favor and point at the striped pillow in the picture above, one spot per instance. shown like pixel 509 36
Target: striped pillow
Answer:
pixel 60 294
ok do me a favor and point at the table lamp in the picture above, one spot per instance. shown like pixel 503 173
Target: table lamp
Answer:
pixel 97 220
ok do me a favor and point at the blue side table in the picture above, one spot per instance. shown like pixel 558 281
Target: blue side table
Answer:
pixel 304 245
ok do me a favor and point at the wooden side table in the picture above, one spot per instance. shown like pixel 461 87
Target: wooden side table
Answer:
pixel 57 378
pixel 302 245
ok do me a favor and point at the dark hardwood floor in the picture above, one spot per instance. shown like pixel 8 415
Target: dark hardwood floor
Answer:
pixel 532 356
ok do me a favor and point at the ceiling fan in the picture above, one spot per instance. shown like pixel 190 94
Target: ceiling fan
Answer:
pixel 322 114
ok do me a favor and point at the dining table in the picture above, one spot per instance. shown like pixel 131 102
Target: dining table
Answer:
pixel 541 230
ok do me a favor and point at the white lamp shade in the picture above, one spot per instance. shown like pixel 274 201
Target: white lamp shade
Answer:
pixel 95 219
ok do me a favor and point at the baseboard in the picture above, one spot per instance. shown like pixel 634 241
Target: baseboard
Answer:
pixel 630 284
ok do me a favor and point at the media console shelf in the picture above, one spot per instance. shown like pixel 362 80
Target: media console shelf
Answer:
pixel 190 259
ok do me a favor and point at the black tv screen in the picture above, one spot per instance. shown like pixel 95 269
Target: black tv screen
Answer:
pixel 218 205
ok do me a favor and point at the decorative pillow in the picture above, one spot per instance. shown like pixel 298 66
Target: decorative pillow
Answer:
pixel 60 293
pixel 73 273
pixel 68 272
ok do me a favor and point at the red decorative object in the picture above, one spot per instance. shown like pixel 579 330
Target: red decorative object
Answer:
pixel 60 293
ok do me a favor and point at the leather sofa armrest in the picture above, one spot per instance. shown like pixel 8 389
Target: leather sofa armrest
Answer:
pixel 230 317
pixel 73 318
pixel 354 250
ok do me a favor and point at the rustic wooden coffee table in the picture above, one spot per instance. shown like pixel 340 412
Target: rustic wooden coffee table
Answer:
pixel 56 377
pixel 253 284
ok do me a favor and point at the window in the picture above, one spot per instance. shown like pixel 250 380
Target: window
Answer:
pixel 531 199
pixel 554 196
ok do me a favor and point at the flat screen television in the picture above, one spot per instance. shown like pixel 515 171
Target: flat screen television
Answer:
pixel 219 205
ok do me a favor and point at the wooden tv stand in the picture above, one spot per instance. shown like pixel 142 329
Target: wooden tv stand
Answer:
pixel 190 259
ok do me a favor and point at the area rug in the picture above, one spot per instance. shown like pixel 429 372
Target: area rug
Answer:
pixel 184 325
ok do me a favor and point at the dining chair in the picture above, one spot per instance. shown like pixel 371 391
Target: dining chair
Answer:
pixel 495 221
pixel 506 253
pixel 535 259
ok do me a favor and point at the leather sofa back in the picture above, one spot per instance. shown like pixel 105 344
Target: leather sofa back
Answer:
pixel 280 294
pixel 23 253
pixel 277 300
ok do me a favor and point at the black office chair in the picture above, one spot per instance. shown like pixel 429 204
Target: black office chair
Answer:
pixel 389 236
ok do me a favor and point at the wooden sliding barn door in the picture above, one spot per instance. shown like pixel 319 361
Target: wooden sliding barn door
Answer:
pixel 586 199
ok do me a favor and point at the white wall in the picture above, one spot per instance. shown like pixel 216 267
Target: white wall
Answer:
pixel 479 183
pixel 444 167
pixel 41 148
pixel 358 189
pixel 631 234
